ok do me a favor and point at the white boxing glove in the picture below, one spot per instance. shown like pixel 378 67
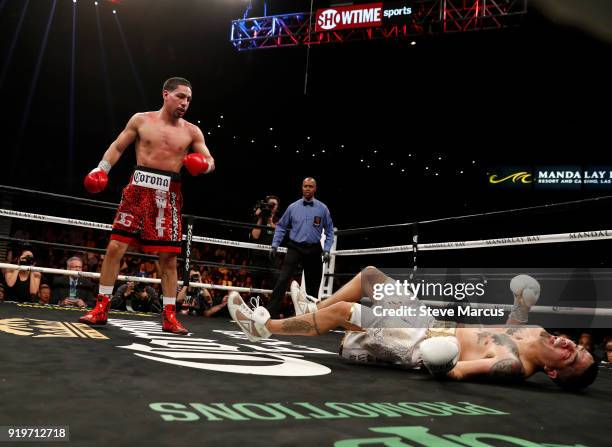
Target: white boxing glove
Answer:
pixel 526 287
pixel 440 354
pixel 526 291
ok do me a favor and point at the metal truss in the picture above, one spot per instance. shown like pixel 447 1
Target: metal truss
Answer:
pixel 429 17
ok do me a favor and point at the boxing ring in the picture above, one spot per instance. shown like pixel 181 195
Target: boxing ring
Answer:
pixel 130 383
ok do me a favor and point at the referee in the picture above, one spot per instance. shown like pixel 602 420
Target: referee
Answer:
pixel 305 218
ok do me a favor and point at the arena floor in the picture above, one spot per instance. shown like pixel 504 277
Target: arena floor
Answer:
pixel 130 384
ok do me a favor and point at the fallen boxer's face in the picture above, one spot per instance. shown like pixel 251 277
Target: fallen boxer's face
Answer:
pixel 562 355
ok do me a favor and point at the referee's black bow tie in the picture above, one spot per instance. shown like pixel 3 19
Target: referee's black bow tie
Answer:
pixel 307 203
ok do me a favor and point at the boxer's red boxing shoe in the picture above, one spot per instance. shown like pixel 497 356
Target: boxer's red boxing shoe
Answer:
pixel 99 314
pixel 169 321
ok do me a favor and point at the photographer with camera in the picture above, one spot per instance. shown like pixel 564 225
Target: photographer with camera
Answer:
pixel 22 285
pixel 136 297
pixel 197 301
pixel 264 213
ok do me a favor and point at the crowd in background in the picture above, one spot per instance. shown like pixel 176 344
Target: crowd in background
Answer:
pixel 210 264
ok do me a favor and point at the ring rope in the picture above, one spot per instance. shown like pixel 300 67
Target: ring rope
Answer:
pixel 107 227
pixel 51 271
pixel 535 309
pixel 113 206
pixel 579 236
pixel 603 275
pixel 469 216
pixel 80 248
pixel 53 219
pixel 251 245
pixel 109 205
pixel 51 195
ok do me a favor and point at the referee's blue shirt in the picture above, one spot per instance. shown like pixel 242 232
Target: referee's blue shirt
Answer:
pixel 307 219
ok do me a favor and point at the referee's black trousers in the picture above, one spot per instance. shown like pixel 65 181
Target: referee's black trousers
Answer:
pixel 309 255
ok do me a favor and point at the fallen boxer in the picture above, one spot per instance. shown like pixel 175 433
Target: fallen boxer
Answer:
pixel 512 352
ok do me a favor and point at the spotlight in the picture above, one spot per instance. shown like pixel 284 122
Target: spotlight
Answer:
pixel 114 11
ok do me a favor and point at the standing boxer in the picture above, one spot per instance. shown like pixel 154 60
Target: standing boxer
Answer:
pixel 150 208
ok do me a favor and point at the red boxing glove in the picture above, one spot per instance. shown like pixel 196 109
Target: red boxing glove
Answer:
pixel 196 164
pixel 95 181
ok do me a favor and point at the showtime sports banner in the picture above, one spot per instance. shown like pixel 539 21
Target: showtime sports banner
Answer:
pixel 359 16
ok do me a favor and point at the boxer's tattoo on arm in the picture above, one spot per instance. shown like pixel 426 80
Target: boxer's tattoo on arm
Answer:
pixel 297 326
pixel 508 369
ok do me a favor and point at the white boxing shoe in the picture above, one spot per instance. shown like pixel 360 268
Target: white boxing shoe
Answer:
pixel 302 303
pixel 251 321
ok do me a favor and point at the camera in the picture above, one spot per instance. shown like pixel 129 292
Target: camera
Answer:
pixel 139 287
pixel 27 260
pixel 194 278
pixel 265 207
